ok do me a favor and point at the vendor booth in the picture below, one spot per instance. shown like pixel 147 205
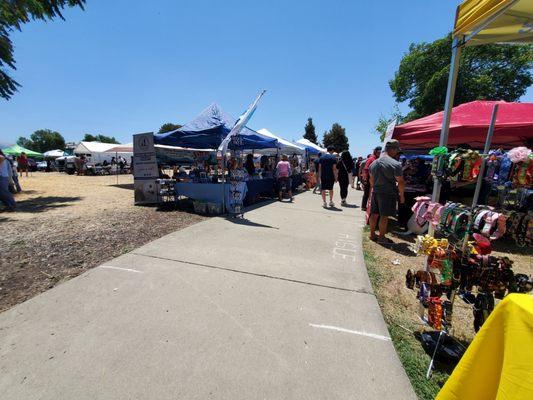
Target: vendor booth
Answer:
pixel 469 124
pixel 486 144
pixel 206 182
pixel 17 150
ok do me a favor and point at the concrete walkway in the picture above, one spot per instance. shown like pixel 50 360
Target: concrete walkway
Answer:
pixel 278 306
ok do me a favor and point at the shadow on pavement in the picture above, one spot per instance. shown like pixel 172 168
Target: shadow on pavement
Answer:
pixel 247 222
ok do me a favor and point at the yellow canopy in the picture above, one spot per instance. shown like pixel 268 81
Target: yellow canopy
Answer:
pixel 489 21
pixel 498 364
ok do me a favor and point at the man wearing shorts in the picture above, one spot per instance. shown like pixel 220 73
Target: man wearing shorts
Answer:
pixel 386 181
pixel 328 175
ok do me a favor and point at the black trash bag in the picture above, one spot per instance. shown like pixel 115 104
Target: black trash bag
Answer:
pixel 449 351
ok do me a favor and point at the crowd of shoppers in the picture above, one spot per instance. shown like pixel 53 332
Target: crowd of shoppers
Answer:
pixel 379 175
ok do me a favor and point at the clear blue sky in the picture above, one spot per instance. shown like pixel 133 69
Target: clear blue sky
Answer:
pixel 124 67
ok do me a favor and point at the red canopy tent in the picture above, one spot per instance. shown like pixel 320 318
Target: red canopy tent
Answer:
pixel 469 124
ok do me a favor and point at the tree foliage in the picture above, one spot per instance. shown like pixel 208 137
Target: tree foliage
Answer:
pixel 488 72
pixel 99 138
pixel 336 137
pixel 310 131
pixel 169 127
pixel 383 122
pixel 15 13
pixel 43 140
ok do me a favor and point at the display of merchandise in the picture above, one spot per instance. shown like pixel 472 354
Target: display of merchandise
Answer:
pixel 166 190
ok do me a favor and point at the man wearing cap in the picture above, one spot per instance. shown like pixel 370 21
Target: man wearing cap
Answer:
pixel 387 185
pixel 365 178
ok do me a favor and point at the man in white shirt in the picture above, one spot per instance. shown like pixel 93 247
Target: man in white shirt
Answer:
pixel 6 175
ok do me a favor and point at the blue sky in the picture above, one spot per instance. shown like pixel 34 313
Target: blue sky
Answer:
pixel 124 67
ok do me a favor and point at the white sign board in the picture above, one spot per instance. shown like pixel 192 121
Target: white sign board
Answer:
pixel 145 170
pixel 389 132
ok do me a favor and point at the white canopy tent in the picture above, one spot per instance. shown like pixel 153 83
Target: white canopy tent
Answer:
pixel 53 153
pixel 307 143
pixel 97 152
pixel 284 146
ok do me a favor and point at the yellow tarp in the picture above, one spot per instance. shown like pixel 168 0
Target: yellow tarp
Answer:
pixel 515 24
pixel 498 364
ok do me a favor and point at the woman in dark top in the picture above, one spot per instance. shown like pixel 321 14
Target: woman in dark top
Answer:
pixel 249 165
pixel 345 167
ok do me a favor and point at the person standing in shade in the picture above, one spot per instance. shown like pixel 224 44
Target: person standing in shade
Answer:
pixel 365 177
pixel 345 167
pixel 316 163
pixel 249 165
pixel 356 173
pixel 328 175
pixel 387 185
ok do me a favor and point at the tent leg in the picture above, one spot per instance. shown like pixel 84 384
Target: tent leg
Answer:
pixel 488 141
pixel 448 105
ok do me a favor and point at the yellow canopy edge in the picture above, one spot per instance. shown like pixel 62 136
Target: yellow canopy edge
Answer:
pixel 498 364
pixel 508 21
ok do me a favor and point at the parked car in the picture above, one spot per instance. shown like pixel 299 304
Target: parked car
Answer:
pixel 42 165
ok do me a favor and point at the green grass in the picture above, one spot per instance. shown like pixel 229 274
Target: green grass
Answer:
pixel 402 331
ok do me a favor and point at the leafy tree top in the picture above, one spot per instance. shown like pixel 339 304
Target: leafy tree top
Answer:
pixel 99 138
pixel 336 137
pixel 43 140
pixel 488 72
pixel 310 131
pixel 169 127
pixel 15 13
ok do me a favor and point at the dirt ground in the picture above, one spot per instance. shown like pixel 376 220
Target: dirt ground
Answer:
pixel 67 224
pixel 396 260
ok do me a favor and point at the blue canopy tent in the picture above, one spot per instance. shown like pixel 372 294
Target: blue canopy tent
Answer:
pixel 209 129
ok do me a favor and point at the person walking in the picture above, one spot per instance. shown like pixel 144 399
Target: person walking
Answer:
pixel 15 175
pixel 283 174
pixel 345 167
pixel 388 186
pixel 356 172
pixel 328 175
pixel 6 177
pixel 365 177
pixel 316 163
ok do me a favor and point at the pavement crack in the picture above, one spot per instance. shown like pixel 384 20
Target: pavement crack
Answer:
pixel 359 290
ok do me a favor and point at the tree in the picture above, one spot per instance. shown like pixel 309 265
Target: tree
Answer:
pixel 43 140
pixel 488 72
pixel 169 127
pixel 383 122
pixel 310 131
pixel 336 137
pixel 99 138
pixel 13 14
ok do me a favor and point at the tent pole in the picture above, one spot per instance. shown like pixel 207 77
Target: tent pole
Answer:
pixel 446 118
pixel 223 182
pixel 116 165
pixel 488 142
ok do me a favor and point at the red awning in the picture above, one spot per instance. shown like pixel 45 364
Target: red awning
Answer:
pixel 469 124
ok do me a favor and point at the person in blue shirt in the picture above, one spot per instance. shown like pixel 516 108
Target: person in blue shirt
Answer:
pixel 328 175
